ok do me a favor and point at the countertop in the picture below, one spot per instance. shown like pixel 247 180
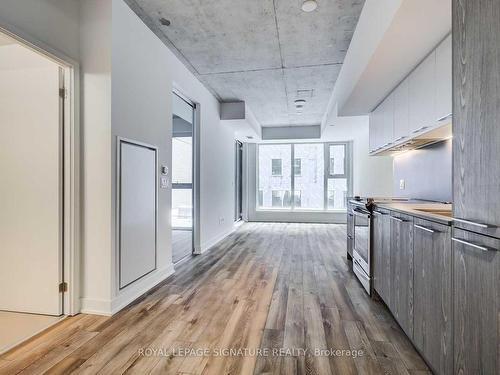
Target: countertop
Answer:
pixel 439 212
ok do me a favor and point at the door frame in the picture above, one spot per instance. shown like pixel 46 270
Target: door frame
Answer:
pixel 70 170
pixel 196 244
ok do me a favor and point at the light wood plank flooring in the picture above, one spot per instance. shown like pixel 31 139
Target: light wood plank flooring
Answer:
pixel 267 286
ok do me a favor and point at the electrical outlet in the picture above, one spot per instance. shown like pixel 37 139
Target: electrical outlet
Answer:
pixel 402 184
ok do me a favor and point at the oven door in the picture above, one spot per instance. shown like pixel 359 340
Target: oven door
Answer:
pixel 362 239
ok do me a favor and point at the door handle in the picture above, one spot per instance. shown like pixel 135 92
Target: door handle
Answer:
pixel 429 230
pixel 398 219
pixel 470 244
pixel 480 225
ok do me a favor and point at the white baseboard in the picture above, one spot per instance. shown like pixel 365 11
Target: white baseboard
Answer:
pixel 214 241
pixel 127 295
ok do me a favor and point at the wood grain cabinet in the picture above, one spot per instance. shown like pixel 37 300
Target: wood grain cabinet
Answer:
pixel 432 294
pixel 476 300
pixel 382 254
pixel 402 271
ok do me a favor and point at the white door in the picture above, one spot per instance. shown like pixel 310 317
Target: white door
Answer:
pixel 30 182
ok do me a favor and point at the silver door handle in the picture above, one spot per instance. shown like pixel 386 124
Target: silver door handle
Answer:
pixel 419 129
pixel 398 219
pixel 480 225
pixel 424 228
pixel 445 117
pixel 483 248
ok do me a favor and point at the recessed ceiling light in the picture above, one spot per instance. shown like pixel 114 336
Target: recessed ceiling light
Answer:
pixel 309 5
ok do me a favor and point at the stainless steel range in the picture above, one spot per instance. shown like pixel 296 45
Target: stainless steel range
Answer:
pixel 359 237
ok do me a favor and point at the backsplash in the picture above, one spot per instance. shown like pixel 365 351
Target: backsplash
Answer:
pixel 426 173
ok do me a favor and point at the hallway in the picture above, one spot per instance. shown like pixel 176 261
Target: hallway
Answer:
pixel 268 285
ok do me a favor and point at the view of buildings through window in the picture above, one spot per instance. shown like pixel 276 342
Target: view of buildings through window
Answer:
pixel 313 184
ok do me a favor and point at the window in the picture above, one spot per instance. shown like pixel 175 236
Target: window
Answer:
pixel 305 176
pixel 297 167
pixel 276 167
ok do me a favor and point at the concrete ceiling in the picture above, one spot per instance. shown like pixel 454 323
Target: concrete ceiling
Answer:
pixel 267 53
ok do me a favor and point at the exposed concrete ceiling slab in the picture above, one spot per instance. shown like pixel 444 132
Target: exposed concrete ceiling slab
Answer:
pixel 264 52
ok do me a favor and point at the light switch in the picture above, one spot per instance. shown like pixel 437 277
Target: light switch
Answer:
pixel 402 184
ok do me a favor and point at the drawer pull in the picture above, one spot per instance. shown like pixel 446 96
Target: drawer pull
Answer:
pixel 429 230
pixel 480 225
pixel 483 248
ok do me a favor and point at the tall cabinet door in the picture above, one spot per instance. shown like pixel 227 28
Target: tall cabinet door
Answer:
pixel 443 81
pixel 476 320
pixel 382 254
pixel 476 113
pixel 432 306
pixel 402 271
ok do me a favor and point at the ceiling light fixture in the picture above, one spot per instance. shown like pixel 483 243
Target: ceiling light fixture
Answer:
pixel 309 5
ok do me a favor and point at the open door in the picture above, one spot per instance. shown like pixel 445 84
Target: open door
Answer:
pixel 31 187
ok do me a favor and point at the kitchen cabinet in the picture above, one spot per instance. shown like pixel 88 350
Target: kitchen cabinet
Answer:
pixel 401 112
pixel 476 130
pixel 388 120
pixel 402 271
pixel 476 299
pixel 422 95
pixel 443 105
pixel 382 254
pixel 432 294
pixel 376 129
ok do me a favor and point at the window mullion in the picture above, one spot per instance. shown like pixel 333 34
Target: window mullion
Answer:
pixel 292 155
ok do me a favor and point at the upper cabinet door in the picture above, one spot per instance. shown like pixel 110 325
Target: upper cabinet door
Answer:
pixel 476 114
pixel 401 112
pixel 422 95
pixel 388 120
pixel 443 81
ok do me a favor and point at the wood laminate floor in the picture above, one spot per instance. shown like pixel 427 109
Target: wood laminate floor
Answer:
pixel 268 287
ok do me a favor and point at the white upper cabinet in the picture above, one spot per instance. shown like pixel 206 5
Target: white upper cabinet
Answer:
pixel 443 108
pixel 401 112
pixel 418 106
pixel 422 95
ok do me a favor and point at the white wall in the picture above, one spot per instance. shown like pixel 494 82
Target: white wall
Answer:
pixel 143 80
pixel 95 51
pixel 372 175
pixel 53 22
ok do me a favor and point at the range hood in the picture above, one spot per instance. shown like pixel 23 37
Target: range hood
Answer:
pixel 428 138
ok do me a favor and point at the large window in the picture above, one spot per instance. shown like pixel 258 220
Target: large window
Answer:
pixel 303 176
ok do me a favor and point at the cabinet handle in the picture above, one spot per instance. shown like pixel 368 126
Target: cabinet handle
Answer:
pixel 400 139
pixel 424 228
pixel 445 117
pixel 360 268
pixel 480 225
pixel 420 129
pixel 483 248
pixel 398 219
pixel 349 237
pixel 379 213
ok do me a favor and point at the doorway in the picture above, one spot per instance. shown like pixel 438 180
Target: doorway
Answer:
pixel 183 133
pixel 238 183
pixel 32 148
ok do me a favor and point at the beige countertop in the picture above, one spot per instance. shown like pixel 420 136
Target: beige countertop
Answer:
pixel 440 212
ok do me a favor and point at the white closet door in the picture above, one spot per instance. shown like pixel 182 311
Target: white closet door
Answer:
pixel 30 183
pixel 137 207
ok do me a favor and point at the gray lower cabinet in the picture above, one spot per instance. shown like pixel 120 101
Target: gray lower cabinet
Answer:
pixel 432 294
pixel 476 273
pixel 401 247
pixel 382 254
pixel 350 231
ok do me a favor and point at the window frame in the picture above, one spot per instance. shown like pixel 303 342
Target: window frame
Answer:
pixel 348 175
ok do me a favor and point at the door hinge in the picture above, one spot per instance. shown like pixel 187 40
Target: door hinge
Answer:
pixel 63 287
pixel 62 93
